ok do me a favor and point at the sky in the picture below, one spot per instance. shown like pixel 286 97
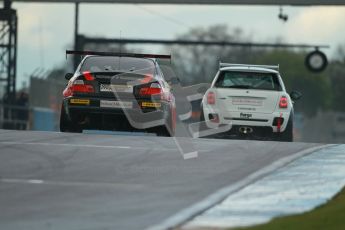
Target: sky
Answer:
pixel 47 30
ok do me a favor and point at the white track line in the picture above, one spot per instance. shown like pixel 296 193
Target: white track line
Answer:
pixel 93 146
pixel 83 145
pixel 66 145
pixel 36 182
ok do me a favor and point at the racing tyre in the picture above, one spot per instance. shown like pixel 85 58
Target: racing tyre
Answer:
pixel 66 125
pixel 202 117
pixel 169 131
pixel 162 131
pixel 287 135
pixel 201 120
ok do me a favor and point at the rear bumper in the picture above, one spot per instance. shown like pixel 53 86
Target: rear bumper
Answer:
pixel 258 132
pixel 256 119
pixel 89 113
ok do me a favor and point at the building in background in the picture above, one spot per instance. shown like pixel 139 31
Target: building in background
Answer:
pixel 45 100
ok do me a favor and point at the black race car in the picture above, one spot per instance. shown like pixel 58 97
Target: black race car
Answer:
pixel 117 91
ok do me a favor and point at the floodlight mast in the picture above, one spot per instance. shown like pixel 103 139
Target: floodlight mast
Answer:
pixel 8 50
pixel 7 4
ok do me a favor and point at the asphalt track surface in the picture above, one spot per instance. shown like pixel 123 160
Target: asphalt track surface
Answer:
pixel 83 181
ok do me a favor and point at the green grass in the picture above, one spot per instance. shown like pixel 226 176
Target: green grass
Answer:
pixel 330 216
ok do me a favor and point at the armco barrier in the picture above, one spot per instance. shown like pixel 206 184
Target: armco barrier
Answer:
pixel 43 119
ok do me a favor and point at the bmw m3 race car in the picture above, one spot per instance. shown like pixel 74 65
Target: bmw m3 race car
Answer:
pixel 253 99
pixel 117 91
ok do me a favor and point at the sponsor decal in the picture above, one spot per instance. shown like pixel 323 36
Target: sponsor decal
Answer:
pixel 80 101
pixel 123 78
pixel 117 88
pixel 244 108
pixel 246 115
pixel 116 104
pixel 246 101
pixel 151 104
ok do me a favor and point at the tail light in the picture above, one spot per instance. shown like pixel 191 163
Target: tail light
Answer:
pixel 83 88
pixel 88 76
pixel 78 86
pixel 211 98
pixel 147 79
pixel 283 102
pixel 152 89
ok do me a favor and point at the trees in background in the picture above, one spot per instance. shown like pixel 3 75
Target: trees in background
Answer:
pixel 336 72
pixel 200 63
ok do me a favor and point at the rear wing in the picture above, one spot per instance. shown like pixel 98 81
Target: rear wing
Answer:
pixel 274 67
pixel 83 53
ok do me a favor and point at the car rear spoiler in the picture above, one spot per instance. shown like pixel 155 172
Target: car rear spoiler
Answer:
pixel 274 67
pixel 78 52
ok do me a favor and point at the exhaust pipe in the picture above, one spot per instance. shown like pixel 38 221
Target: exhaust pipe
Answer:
pixel 246 130
pixel 83 120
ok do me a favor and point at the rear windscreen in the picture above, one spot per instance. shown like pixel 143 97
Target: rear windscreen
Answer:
pixel 248 80
pixel 118 64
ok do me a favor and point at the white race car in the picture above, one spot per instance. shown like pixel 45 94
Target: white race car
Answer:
pixel 253 99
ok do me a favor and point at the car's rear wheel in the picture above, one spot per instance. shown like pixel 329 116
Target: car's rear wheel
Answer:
pixel 162 131
pixel 168 130
pixel 287 135
pixel 66 125
pixel 202 116
pixel 201 121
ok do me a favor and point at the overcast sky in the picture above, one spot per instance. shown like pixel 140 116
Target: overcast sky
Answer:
pixel 46 30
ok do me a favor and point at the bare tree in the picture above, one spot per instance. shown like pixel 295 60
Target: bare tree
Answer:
pixel 199 63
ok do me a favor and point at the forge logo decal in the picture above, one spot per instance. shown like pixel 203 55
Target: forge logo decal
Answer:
pixel 246 115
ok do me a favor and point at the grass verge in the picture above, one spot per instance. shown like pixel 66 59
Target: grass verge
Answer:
pixel 330 216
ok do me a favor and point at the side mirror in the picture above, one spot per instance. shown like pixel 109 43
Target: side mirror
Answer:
pixel 68 76
pixel 204 88
pixel 295 95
